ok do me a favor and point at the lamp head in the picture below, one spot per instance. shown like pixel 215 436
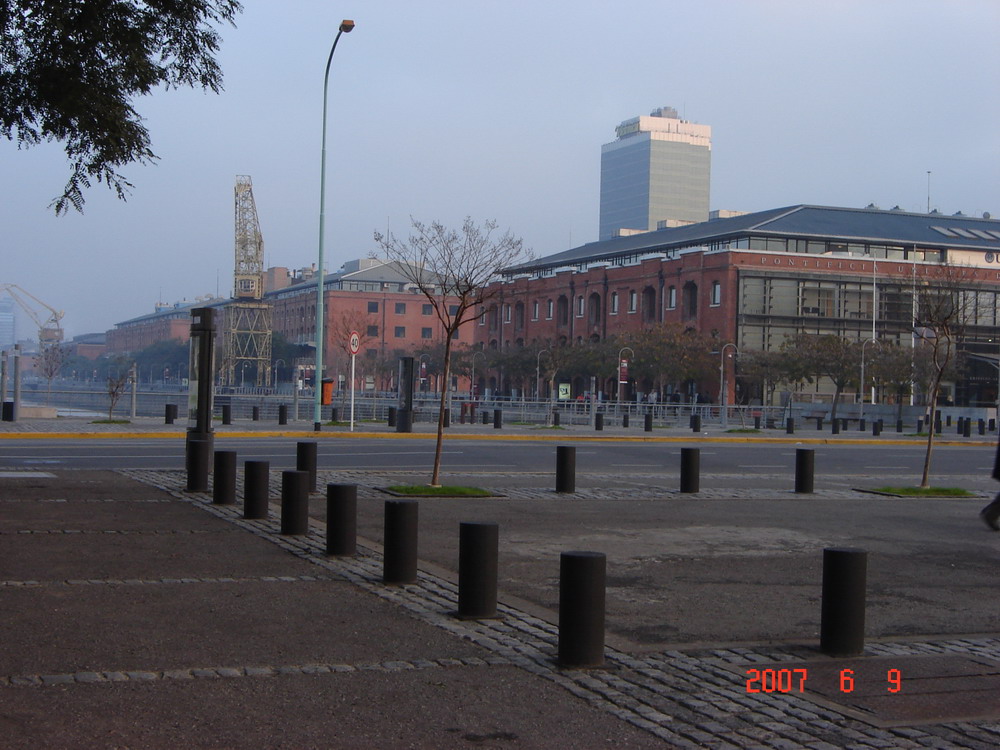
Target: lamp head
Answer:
pixel 347 26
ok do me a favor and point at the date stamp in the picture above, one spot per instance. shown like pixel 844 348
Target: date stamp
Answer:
pixel 795 680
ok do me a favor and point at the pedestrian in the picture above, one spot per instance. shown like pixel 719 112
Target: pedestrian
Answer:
pixel 991 513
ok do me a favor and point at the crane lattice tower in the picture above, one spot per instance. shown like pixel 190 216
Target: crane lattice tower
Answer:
pixel 248 317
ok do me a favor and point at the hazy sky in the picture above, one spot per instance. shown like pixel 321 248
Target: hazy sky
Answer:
pixel 448 108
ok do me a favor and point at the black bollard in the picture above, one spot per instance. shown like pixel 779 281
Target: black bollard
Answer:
pixel 169 413
pixel 305 460
pixel 696 422
pixel 294 502
pixel 486 416
pixel 790 426
pixel 992 425
pixel 581 609
pixel 937 427
pixel 255 413
pixel 982 426
pixel 967 427
pixel 334 414
pixel 756 422
pixel 960 425
pixel 876 428
pixel 282 413
pixel 819 423
pixel 446 418
pixel 555 418
pixel 899 425
pixel 341 519
pixel 565 468
pixel 478 545
pixel 391 419
pixel 227 414
pixel 399 556
pixel 949 420
pixel 224 478
pixel 862 425
pixel 805 462
pixel 920 425
pixel 647 423
pixel 198 458
pixel 497 419
pixel 625 420
pixel 835 427
pixel 690 469
pixel 256 476
pixel 598 422
pixel 842 622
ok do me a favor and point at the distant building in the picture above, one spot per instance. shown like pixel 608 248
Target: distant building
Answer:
pixel 87 345
pixel 657 170
pixel 8 323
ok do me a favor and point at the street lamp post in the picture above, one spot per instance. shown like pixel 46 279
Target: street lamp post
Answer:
pixel 861 387
pixel 345 27
pixel 722 383
pixel 472 384
pixel 618 375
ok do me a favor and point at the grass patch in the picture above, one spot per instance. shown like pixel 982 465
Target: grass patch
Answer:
pixel 111 421
pixel 426 490
pixel 749 430
pixel 926 491
pixel 550 427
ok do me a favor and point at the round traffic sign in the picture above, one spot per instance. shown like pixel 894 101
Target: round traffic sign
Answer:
pixel 354 342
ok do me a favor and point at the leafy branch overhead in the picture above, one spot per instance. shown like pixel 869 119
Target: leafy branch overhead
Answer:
pixel 70 71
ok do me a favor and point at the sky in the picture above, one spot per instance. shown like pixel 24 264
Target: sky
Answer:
pixel 444 109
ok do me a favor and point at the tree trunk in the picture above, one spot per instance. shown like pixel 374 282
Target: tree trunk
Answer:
pixel 439 443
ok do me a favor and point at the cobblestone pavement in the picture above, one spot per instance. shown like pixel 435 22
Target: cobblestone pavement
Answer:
pixel 689 698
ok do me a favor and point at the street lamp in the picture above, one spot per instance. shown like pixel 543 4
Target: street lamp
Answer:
pixel 619 374
pixel 861 387
pixel 538 373
pixel 472 384
pixel 424 380
pixel 345 28
pixel 722 382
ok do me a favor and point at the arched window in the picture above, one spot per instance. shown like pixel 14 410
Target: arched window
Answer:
pixel 690 300
pixel 594 309
pixel 649 305
pixel 562 310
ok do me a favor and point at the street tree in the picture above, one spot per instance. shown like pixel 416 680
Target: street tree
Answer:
pixel 453 269
pixel 119 377
pixel 49 361
pixel 70 72
pixel 766 369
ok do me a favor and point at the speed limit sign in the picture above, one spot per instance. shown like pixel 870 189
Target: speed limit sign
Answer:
pixel 354 343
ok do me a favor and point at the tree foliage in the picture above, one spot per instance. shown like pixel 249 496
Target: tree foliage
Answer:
pixel 827 355
pixel 71 70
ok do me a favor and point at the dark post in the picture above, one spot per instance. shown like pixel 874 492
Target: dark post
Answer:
pixel 647 422
pixel 937 426
pixel 305 460
pixel 198 458
pixel 391 419
pixel 399 556
pixel 334 414
pixel 696 422
pixel 581 609
pixel 256 476
pixel 555 418
pixel 446 418
pixel 201 368
pixel 227 414
pixel 294 502
pixel 899 425
pixel 169 413
pixel 282 413
pixel 224 480
pixel 599 421
pixel 819 423
pixel 565 468
pixel 255 413
pixel 404 417
pixel 949 420
pixel 625 420
pixel 960 427
pixel 690 468
pixel 804 465
pixel 835 427
pixel 341 519
pixel 876 428
pixel 497 419
pixel 842 623
pixel 862 425
pixel 477 570
pixel 756 421
pixel 486 416
pixel 790 426
pixel 982 426
pixel 992 424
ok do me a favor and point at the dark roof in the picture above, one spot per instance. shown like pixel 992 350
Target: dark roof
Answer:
pixel 873 225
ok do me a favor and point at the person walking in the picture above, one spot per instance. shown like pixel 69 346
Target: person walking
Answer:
pixel 991 513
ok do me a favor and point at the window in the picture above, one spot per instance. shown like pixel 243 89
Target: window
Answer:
pixel 633 301
pixel 427 310
pixel 579 306
pixel 506 313
pixel 534 310
pixel 425 333
pixel 453 309
pixel 373 307
pixel 400 332
pixel 373 331
pixel 548 310
pixel 400 308
pixel 716 294
pixel 614 303
pixel 482 316
pixel 672 298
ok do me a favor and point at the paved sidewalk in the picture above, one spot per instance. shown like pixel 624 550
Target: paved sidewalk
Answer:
pixel 138 615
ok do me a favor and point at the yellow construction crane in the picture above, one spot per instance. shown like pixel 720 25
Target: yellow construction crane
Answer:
pixel 49 330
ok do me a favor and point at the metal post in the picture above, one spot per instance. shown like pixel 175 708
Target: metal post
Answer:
pixel 804 470
pixel 399 557
pixel 690 469
pixel 565 468
pixel 696 422
pixel 625 420
pixel 227 414
pixel 282 414
pixel 967 427
pixel 256 477
pixel 341 519
pixel 168 414
pixel 790 426
pixel 224 478
pixel 647 422
pixel 477 570
pixel 899 425
pixel 305 460
pixel 555 418
pixel 255 413
pixel 599 421
pixel 294 502
pixel 842 622
pixel 197 462
pixel 582 578
pixel 497 419
pixel 134 377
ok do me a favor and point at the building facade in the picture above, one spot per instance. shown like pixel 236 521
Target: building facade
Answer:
pixel 755 279
pixel 656 171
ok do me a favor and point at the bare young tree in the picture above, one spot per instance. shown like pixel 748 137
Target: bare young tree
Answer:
pixel 453 269
pixel 117 383
pixel 50 360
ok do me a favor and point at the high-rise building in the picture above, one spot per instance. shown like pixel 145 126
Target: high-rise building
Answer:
pixel 655 174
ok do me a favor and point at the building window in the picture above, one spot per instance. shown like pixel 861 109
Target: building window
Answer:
pixel 716 294
pixel 534 310
pixel 400 308
pixel 427 310
pixel 672 298
pixel 400 332
pixel 579 306
pixel 633 301
pixel 548 310
pixel 482 316
pixel 506 313
pixel 614 303
pixel 425 333
pixel 373 331
pixel 373 307
pixel 453 310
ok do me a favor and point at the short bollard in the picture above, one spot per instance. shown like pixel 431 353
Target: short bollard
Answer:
pixel 497 419
pixel 982 426
pixel 625 421
pixel 478 545
pixel 842 622
pixel 805 462
pixel 598 422
pixel 256 477
pixel 227 414
pixel 334 414
pixel 581 609
pixel 255 413
pixel 835 427
pixel 294 502
pixel 391 417
pixel 169 413
pixel 282 413
pixel 992 425
pixel 819 423
pixel 305 460
pixel 920 425
pixel 790 426
pixel 446 418
pixel 756 422
pixel 967 427
pixel 486 416
pixel 899 425
pixel 949 420
pixel 565 468
pixel 555 418
pixel 960 426
pixel 647 423
pixel 876 428
pixel 862 425
pixel 399 556
pixel 198 459
pixel 690 469
pixel 696 422
pixel 341 519
pixel 937 427
pixel 224 478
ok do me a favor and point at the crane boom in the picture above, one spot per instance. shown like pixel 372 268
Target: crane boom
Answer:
pixel 49 330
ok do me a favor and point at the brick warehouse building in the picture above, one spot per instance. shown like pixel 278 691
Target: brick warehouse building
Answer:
pixel 755 279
